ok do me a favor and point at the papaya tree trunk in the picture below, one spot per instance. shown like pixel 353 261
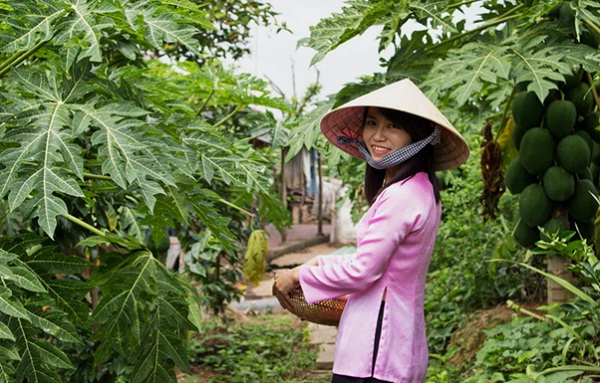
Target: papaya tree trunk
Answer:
pixel 557 265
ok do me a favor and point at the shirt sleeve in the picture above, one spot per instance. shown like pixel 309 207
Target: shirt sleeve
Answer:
pixel 398 211
pixel 333 259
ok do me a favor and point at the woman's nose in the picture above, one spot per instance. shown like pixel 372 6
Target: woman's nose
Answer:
pixel 379 132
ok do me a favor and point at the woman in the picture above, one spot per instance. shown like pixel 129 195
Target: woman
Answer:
pixel 404 139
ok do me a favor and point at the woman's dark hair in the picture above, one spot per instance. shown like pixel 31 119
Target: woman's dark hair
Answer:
pixel 418 128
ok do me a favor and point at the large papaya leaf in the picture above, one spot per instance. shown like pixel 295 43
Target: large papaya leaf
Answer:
pixel 354 20
pixel 39 358
pixel 81 28
pixel 465 71
pixel 541 69
pixel 32 23
pixel 33 319
pixel 86 24
pixel 233 163
pixel 164 349
pixel 42 264
pixel 436 17
pixel 141 287
pixel 308 132
pixel 162 26
pixel 38 165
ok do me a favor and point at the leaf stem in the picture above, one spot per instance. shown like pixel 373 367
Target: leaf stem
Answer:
pixel 237 108
pixel 212 91
pixel 505 112
pixel 97 176
pixel 593 25
pixel 593 88
pixel 18 58
pixel 519 309
pixel 246 212
pixel 84 224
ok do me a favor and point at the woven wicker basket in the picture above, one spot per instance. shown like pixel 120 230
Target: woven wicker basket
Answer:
pixel 327 312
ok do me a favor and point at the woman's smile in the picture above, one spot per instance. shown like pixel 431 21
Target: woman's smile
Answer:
pixel 382 136
pixel 379 150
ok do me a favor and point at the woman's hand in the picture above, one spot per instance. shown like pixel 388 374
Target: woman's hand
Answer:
pixel 311 262
pixel 285 282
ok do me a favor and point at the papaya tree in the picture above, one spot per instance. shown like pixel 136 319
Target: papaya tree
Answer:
pixel 105 151
pixel 488 64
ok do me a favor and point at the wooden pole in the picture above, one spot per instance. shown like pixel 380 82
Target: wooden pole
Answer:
pixel 283 189
pixel 320 207
pixel 557 265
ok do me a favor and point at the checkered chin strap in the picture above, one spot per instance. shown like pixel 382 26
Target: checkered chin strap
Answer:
pixel 396 157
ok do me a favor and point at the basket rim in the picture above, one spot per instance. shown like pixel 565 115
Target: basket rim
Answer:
pixel 328 313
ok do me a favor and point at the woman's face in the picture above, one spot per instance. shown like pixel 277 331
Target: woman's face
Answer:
pixel 382 136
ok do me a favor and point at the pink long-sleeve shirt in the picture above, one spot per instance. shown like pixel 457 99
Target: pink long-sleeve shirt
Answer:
pixel 395 239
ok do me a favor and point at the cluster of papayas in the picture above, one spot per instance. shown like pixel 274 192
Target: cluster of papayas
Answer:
pixel 558 166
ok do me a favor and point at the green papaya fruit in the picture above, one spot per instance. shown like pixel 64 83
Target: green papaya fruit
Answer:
pixel 583 204
pixel 517 135
pixel 596 153
pixel 537 150
pixel 573 153
pixel 591 124
pixel 527 110
pixel 553 226
pixel 586 174
pixel 554 12
pixel 586 137
pixel 525 235
pixel 582 97
pixel 516 178
pixel 560 117
pixel 590 38
pixel 535 207
pixel 559 184
pixel 566 14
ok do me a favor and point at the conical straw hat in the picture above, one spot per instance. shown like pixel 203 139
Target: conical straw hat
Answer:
pixel 346 121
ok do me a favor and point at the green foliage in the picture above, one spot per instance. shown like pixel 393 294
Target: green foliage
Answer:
pixel 267 351
pixel 36 306
pixel 460 280
pixel 564 343
pixel 141 299
pixel 204 263
pixel 107 151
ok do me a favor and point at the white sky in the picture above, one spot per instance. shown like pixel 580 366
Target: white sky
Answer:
pixel 275 56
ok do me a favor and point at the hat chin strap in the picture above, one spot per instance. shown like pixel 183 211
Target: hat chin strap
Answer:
pixel 396 157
